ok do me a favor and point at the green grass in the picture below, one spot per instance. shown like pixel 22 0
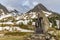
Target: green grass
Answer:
pixel 12 38
pixel 17 33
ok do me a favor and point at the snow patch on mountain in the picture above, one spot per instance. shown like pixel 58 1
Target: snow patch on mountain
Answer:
pixel 5 16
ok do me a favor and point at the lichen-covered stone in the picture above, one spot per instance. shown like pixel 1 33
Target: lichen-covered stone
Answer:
pixel 36 37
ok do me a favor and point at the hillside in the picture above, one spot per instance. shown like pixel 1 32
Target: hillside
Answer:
pixel 12 19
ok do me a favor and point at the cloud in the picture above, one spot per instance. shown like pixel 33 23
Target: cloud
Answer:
pixel 24 5
pixel 35 3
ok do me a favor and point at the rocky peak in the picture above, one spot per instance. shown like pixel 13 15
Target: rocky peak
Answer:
pixel 37 8
pixel 4 9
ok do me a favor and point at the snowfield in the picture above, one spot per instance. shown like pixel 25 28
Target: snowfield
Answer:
pixel 5 16
pixel 11 29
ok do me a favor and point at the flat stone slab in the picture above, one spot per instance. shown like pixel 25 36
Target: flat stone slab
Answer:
pixel 36 37
pixel 40 37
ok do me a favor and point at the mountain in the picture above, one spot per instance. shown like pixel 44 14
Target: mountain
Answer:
pixel 12 19
pixel 31 14
pixel 43 11
pixel 38 7
pixel 41 7
pixel 4 9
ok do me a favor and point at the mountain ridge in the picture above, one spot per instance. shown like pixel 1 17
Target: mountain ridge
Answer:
pixel 38 7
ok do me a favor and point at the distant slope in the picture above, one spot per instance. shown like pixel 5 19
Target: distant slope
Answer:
pixel 4 9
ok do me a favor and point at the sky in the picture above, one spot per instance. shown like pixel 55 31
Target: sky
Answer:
pixel 26 5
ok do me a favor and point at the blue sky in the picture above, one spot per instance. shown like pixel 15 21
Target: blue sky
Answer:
pixel 25 5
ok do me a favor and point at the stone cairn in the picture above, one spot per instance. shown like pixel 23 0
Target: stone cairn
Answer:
pixel 39 33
